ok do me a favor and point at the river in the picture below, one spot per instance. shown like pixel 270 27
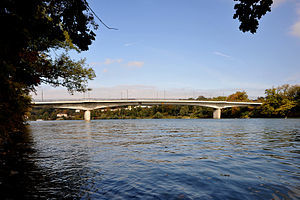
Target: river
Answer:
pixel 157 159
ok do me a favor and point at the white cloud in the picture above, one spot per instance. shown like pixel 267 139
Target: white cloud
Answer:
pixel 222 54
pixel 137 64
pixel 295 29
pixel 278 2
pixel 109 61
pixel 294 78
pixel 128 44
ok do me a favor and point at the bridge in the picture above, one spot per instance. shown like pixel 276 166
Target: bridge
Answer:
pixel 88 105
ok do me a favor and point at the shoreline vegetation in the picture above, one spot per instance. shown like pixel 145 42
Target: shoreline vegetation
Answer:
pixel 280 102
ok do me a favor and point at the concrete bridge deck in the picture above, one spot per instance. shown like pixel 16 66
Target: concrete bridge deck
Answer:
pixel 88 105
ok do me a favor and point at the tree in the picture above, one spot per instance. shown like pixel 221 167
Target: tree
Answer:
pixel 184 110
pixel 32 31
pixel 218 98
pixel 294 94
pixel 201 98
pixel 158 115
pixel 238 96
pixel 237 111
pixel 248 12
pixel 281 101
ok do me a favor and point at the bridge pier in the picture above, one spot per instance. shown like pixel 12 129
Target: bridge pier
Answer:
pixel 87 115
pixel 217 113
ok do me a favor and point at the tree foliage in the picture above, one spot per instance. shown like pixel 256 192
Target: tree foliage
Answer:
pixel 280 101
pixel 32 32
pixel 249 12
pixel 238 96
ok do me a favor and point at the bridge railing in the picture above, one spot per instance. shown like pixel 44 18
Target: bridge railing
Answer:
pixel 87 99
pixel 107 99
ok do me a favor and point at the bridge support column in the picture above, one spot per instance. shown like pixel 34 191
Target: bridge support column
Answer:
pixel 87 115
pixel 217 113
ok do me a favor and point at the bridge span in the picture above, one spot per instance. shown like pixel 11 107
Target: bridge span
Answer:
pixel 88 105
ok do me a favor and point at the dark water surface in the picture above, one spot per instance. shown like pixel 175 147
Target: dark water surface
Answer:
pixel 160 159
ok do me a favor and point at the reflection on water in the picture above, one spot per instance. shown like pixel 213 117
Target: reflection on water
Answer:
pixel 156 159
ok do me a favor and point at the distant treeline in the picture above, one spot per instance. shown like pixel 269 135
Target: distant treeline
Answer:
pixel 283 101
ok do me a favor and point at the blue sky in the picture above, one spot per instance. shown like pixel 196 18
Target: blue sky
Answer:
pixel 190 45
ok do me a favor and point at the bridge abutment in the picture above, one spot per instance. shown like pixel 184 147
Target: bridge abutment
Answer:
pixel 87 115
pixel 217 113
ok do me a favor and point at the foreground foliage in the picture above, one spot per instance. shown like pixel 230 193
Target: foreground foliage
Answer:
pixel 33 30
pixel 249 12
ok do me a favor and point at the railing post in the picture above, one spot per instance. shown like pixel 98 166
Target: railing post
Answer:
pixel 217 113
pixel 87 115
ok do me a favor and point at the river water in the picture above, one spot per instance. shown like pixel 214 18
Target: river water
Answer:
pixel 159 159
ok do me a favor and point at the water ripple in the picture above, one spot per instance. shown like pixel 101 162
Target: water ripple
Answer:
pixel 167 159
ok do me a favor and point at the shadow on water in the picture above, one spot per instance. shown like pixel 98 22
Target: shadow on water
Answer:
pixel 21 177
pixel 16 177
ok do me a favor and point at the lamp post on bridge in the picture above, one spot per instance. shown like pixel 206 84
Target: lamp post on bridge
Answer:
pixel 42 95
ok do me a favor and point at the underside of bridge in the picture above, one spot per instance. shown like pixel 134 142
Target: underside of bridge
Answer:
pixel 216 114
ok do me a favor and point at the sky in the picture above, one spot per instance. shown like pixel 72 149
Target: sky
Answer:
pixel 187 48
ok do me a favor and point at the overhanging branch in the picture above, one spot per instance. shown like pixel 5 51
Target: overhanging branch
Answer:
pixel 99 17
